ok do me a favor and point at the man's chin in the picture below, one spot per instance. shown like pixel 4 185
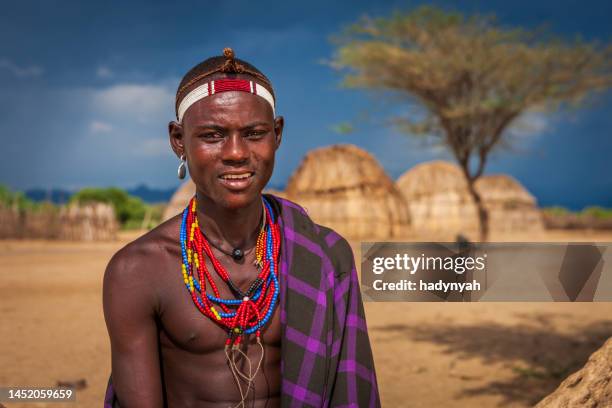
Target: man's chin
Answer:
pixel 235 200
pixel 232 198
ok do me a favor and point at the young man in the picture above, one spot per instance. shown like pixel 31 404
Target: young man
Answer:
pixel 241 300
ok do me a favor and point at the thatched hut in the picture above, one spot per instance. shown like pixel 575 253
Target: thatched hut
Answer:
pixel 343 187
pixel 439 201
pixel 179 199
pixel 437 198
pixel 511 207
pixel 88 222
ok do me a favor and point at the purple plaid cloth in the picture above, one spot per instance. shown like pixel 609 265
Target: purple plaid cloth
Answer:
pixel 326 359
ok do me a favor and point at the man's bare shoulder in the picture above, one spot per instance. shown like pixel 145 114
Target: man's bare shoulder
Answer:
pixel 143 256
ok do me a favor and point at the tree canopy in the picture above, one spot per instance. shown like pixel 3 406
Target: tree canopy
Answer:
pixel 472 76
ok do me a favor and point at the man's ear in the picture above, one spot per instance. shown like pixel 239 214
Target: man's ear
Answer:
pixel 279 124
pixel 175 132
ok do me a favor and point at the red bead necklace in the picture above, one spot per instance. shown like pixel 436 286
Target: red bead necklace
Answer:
pixel 256 305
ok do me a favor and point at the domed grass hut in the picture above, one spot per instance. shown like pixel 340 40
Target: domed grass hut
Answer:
pixel 343 187
pixel 437 198
pixel 511 207
pixel 88 222
pixel 179 200
pixel 439 202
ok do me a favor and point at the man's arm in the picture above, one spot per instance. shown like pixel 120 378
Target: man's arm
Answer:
pixel 129 310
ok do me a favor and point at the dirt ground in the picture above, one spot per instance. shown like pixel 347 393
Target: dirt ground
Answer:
pixel 426 354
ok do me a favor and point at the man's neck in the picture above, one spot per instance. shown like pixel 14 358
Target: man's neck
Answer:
pixel 231 228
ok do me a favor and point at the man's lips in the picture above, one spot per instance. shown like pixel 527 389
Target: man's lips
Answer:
pixel 236 175
pixel 237 180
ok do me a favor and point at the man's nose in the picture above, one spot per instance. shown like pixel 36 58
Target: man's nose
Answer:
pixel 235 148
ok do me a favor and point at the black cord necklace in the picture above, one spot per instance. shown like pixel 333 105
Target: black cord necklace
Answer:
pixel 237 254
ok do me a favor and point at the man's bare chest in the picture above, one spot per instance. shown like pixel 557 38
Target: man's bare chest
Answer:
pixel 184 326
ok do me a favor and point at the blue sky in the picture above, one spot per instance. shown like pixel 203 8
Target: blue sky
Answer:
pixel 87 90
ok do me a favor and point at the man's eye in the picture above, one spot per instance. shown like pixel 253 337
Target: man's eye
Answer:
pixel 211 135
pixel 256 133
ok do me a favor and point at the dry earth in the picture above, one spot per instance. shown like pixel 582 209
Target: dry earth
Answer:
pixel 426 355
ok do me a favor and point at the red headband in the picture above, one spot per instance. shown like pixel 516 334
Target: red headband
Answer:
pixel 223 85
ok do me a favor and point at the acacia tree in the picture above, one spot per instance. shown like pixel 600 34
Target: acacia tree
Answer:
pixel 473 77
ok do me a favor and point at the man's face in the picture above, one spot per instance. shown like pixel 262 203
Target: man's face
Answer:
pixel 229 140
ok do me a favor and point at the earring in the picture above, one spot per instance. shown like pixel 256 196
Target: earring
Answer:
pixel 182 169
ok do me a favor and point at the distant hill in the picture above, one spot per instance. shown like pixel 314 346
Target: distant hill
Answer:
pixel 56 195
pixel 61 196
pixel 152 195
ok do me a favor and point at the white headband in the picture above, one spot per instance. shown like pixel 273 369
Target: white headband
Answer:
pixel 223 85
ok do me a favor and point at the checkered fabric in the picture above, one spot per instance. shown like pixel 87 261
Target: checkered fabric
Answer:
pixel 326 359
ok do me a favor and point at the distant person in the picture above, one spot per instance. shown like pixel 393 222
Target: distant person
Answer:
pixel 241 300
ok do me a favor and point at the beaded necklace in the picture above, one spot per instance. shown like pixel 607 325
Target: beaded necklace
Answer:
pixel 255 306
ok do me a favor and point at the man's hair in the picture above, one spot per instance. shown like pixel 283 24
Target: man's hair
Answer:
pixel 226 63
